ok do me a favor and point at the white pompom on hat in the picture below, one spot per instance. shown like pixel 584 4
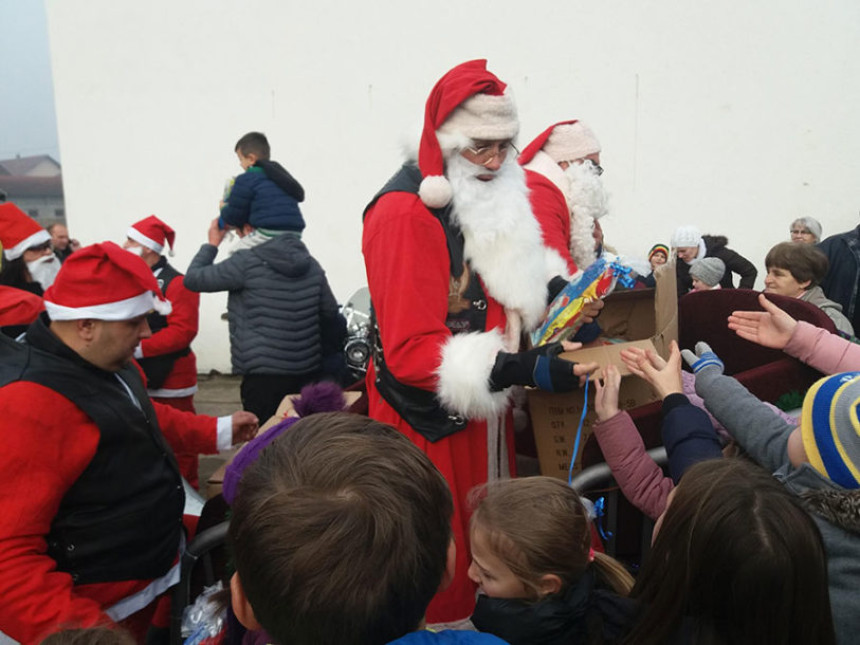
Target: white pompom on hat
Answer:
pixel 104 282
pixel 467 102
pixel 686 236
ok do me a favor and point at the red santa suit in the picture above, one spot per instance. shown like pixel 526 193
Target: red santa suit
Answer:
pixel 169 347
pixel 182 324
pixel 86 508
pixel 421 293
pixel 54 444
pixel 566 209
pixel 552 213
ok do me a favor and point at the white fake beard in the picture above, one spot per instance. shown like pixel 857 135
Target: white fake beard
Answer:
pixel 587 201
pixel 502 239
pixel 135 250
pixel 44 270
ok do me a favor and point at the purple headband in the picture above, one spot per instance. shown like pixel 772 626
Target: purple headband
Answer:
pixel 318 397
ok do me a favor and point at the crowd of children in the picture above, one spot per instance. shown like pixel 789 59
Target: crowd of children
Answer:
pixel 738 555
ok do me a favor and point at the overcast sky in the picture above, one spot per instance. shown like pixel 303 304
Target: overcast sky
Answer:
pixel 28 123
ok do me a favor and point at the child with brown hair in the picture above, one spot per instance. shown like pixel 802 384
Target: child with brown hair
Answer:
pixel 341 533
pixel 816 459
pixel 735 559
pixel 540 581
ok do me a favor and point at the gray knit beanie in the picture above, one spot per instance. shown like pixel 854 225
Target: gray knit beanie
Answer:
pixel 708 270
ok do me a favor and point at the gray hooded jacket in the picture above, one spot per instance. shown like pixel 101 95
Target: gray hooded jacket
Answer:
pixel 278 305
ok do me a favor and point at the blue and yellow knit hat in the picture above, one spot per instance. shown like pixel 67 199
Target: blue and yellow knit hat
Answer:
pixel 830 428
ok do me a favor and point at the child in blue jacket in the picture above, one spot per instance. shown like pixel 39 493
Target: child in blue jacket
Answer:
pixel 265 196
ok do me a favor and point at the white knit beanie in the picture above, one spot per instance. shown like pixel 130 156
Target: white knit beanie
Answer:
pixel 686 236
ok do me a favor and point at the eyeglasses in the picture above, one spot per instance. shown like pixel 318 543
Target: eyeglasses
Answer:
pixel 597 167
pixel 485 154
pixel 800 232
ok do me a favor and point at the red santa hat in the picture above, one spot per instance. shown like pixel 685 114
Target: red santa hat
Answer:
pixel 564 141
pixel 468 102
pixel 19 231
pixel 19 307
pixel 105 282
pixel 152 233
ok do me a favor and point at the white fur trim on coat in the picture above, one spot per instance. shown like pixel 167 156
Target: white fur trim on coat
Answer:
pixel 555 265
pixel 544 165
pixel 464 375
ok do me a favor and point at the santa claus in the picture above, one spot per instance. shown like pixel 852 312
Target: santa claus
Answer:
pixel 563 174
pixel 457 270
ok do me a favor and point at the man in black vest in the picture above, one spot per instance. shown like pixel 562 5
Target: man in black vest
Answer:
pixel 92 500
pixel 166 357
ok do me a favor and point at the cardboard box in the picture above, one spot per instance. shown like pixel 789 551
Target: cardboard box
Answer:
pixel 645 318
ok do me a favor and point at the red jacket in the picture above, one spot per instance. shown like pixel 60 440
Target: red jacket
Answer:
pixel 553 214
pixel 182 324
pixel 47 444
pixel 409 277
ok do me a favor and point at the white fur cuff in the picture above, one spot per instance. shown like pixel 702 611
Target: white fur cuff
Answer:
pixel 555 265
pixel 464 375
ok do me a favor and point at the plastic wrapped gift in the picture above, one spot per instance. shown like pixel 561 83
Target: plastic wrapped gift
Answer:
pixel 564 315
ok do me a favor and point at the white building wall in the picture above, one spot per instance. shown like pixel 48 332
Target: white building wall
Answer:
pixel 734 116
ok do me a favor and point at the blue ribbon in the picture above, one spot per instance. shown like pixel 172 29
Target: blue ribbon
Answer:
pixel 623 274
pixel 600 513
pixel 578 433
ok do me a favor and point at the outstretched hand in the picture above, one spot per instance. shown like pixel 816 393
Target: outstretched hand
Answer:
pixel 663 376
pixel 245 425
pixel 769 328
pixel 606 393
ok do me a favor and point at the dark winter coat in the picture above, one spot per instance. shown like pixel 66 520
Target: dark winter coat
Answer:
pixel 265 196
pixel 280 306
pixel 842 279
pixel 581 614
pixel 715 247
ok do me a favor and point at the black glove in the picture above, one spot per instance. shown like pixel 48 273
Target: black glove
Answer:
pixel 554 288
pixel 538 367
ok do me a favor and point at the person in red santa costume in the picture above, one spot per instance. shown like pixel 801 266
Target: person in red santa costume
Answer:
pixel 456 271
pixel 18 308
pixel 91 511
pixel 28 261
pixel 166 357
pixel 563 175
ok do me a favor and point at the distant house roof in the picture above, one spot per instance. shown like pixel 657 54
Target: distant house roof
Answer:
pixel 16 187
pixel 22 166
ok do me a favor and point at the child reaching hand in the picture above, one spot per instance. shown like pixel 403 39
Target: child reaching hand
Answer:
pixel 817 461
pixel 687 430
pixel 540 581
